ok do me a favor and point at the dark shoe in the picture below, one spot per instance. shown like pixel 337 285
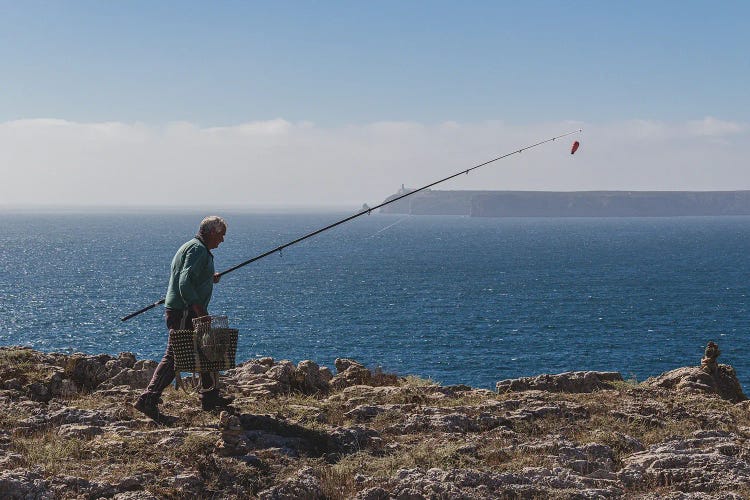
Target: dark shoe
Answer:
pixel 149 406
pixel 212 400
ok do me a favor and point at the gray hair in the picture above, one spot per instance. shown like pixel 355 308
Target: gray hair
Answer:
pixel 212 224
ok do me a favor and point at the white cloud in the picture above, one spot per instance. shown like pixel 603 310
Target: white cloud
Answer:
pixel 713 127
pixel 277 162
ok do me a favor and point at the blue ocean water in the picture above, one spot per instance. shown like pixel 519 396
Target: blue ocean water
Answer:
pixel 457 299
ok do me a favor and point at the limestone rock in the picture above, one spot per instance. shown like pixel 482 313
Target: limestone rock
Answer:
pixel 186 482
pixel 625 443
pixel 283 372
pixel 233 440
pixel 20 483
pixel 309 378
pixel 134 482
pixel 127 358
pixel 65 415
pixel 353 439
pixel 249 369
pixel 135 377
pixel 707 462
pixel 87 371
pixel 12 384
pixel 721 381
pixel 459 483
pixel 576 382
pixel 349 373
pixel 79 431
pixel 135 495
pixel 49 382
pixel 365 394
pixel 325 373
pixel 10 461
pixel 304 485
pixel 587 459
pixel 364 413
pixel 343 364
pixel 264 378
pixel 448 422
pixel 266 361
pixel 533 439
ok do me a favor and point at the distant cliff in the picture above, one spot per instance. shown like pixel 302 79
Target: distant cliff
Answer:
pixel 571 204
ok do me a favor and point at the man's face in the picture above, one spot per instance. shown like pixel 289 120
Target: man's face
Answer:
pixel 214 239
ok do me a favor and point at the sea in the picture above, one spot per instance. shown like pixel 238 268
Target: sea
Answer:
pixel 458 300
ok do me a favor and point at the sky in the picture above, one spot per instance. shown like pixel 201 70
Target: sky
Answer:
pixel 339 103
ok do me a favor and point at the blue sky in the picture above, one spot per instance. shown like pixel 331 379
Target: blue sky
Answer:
pixel 218 63
pixel 331 67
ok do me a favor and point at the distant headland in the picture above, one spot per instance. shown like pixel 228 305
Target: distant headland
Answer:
pixel 570 203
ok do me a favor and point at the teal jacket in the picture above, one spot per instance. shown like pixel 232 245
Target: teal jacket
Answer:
pixel 192 278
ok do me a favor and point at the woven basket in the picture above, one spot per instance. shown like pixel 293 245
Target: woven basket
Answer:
pixel 211 350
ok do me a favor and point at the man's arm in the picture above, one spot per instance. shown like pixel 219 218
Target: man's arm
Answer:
pixel 194 261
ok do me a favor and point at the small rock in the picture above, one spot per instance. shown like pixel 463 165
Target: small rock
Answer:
pixel 343 364
pixel 12 384
pixel 350 373
pixel 87 371
pixel 309 379
pixel 304 485
pixel 267 361
pixel 22 484
pixel 184 481
pixel 282 372
pixel 79 431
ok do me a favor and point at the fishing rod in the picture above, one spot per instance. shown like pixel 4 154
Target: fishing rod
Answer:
pixel 365 210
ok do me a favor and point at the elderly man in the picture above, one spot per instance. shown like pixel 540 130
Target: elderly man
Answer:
pixel 188 294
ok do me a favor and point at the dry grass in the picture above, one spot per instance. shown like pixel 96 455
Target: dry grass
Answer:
pixel 609 417
pixel 339 480
pixel 21 364
pixel 127 455
pixel 415 381
pixel 121 456
pixel 196 445
pixel 51 452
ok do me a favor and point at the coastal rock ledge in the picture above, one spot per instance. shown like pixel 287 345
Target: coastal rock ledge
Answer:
pixel 303 431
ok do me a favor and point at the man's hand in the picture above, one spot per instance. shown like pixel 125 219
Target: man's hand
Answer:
pixel 217 277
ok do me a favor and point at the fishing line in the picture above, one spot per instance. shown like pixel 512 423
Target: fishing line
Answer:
pixel 387 227
pixel 365 211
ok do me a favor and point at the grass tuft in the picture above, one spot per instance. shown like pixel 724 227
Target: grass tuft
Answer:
pixel 51 452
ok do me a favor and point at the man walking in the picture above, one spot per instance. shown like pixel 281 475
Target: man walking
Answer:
pixel 190 287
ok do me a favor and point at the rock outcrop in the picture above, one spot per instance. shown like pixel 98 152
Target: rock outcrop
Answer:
pixel 723 382
pixel 67 430
pixel 708 378
pixel 563 382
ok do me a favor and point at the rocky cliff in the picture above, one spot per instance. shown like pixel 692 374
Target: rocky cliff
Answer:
pixel 571 204
pixel 67 430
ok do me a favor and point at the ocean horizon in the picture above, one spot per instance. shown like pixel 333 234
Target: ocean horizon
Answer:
pixel 456 299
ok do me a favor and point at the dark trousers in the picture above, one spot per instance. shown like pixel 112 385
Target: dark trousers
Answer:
pixel 177 319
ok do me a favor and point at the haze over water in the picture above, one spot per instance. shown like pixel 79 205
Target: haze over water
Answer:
pixel 460 300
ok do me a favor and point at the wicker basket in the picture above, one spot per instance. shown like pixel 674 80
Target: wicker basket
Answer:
pixel 211 347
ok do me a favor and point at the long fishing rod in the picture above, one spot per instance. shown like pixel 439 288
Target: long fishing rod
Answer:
pixel 364 211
